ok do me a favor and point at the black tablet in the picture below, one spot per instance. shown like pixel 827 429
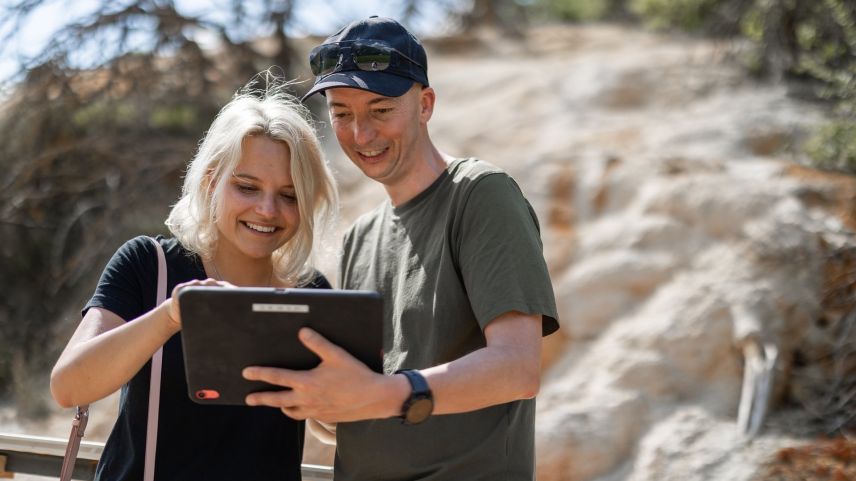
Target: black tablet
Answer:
pixel 225 330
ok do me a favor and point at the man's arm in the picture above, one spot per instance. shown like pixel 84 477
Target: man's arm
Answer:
pixel 506 370
pixel 342 389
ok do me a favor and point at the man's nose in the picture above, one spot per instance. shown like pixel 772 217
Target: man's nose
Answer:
pixel 364 131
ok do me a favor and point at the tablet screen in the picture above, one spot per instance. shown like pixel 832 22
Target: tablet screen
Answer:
pixel 225 330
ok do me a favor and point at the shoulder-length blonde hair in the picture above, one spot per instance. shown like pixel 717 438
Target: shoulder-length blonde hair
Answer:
pixel 273 113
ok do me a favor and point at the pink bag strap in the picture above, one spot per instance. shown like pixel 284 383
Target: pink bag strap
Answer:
pixel 78 426
pixel 155 385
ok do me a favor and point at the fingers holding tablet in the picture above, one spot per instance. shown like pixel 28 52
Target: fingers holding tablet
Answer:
pixel 174 311
pixel 322 393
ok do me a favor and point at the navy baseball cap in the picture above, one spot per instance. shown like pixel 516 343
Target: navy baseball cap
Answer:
pixel 376 54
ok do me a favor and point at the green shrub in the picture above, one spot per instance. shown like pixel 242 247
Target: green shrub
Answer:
pixel 669 14
pixel 577 10
pixel 752 25
pixel 833 147
pixel 101 114
pixel 176 119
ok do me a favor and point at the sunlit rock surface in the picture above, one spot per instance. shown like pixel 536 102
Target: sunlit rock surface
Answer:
pixel 675 226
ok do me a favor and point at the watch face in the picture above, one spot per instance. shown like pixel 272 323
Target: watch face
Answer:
pixel 419 410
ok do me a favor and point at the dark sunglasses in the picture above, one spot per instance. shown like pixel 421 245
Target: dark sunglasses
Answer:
pixel 367 55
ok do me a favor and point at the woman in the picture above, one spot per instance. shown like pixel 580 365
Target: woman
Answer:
pixel 253 196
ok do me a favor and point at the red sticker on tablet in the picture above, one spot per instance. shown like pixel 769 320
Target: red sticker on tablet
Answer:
pixel 207 394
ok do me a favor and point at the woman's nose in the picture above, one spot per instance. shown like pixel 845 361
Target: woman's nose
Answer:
pixel 266 206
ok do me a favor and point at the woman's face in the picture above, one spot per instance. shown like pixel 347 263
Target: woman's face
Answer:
pixel 258 209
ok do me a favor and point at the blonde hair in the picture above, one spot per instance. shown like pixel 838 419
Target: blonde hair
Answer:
pixel 279 116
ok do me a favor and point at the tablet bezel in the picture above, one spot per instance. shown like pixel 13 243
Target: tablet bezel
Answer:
pixel 225 330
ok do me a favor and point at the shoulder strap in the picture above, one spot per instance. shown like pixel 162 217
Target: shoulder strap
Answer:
pixel 155 385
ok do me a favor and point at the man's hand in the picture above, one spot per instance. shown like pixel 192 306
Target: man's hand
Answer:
pixel 339 389
pixel 342 389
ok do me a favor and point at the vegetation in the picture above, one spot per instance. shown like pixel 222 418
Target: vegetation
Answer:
pixel 833 146
pixel 822 460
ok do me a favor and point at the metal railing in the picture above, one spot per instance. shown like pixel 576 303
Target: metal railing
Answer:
pixel 42 456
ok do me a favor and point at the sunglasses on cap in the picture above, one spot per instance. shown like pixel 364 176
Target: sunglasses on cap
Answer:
pixel 366 55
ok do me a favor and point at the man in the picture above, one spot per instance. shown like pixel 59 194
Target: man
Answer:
pixel 457 255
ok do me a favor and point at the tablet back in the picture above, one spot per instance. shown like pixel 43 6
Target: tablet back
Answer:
pixel 226 330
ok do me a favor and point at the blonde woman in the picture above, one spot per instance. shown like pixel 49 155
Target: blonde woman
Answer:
pixel 254 196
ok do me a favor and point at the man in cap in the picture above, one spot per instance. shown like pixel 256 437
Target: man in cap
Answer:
pixel 456 253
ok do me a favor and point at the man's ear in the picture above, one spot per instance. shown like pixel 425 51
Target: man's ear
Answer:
pixel 427 97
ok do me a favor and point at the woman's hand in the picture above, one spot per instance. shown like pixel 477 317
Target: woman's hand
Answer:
pixel 171 304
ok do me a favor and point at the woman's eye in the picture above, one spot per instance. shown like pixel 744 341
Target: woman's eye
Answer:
pixel 288 197
pixel 246 188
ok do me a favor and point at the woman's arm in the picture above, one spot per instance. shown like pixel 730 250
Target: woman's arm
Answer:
pixel 105 352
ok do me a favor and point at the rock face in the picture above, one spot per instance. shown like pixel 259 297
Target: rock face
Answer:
pixel 676 228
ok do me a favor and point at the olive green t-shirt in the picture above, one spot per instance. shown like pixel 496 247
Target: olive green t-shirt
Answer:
pixel 450 260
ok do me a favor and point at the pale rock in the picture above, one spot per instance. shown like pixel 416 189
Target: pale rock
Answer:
pixel 716 205
pixel 600 288
pixel 582 436
pixel 694 444
pixel 643 233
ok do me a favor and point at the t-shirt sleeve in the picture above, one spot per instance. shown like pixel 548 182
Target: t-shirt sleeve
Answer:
pixel 501 254
pixel 348 261
pixel 127 285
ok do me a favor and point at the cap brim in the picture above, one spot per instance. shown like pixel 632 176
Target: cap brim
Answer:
pixel 386 84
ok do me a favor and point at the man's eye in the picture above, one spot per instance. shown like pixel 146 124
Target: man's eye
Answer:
pixel 340 115
pixel 383 111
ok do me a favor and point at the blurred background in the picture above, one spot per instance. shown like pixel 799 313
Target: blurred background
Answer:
pixel 691 162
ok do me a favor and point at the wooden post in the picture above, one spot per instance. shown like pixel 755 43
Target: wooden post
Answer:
pixel 3 472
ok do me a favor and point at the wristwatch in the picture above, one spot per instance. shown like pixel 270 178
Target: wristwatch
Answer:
pixel 420 404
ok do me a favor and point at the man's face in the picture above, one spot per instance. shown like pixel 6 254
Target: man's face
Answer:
pixel 381 135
